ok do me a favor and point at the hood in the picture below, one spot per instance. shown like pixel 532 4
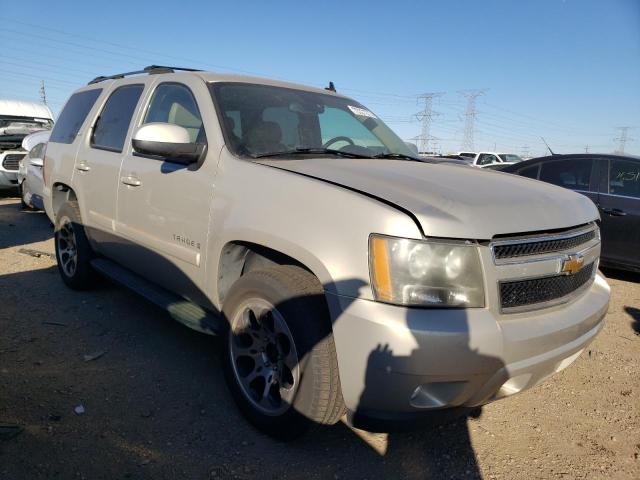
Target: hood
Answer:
pixel 453 201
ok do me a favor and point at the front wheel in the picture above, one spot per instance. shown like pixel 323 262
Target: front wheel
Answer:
pixel 279 357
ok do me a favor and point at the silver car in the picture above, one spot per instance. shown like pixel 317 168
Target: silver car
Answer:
pixel 30 181
pixel 344 274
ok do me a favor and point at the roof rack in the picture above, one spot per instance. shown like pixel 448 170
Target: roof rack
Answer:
pixel 151 70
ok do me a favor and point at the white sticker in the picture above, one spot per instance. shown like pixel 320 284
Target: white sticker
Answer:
pixel 362 112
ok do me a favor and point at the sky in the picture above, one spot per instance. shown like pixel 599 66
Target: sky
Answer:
pixel 568 71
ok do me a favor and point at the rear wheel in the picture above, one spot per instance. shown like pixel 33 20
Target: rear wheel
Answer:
pixel 73 251
pixel 279 356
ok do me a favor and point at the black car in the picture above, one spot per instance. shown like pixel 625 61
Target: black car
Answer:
pixel 613 183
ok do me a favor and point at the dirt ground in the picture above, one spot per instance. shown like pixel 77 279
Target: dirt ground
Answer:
pixel 156 406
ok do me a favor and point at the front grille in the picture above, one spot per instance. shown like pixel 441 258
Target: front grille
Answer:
pixel 539 290
pixel 12 160
pixel 514 250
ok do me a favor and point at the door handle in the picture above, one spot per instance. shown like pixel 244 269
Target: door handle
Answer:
pixel 131 181
pixel 83 167
pixel 614 212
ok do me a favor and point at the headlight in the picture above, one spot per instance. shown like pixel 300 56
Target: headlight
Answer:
pixel 425 273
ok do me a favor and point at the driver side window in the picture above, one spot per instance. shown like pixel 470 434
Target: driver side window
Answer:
pixel 487 159
pixel 174 103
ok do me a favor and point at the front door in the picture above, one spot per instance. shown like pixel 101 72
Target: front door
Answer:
pixel 620 213
pixel 163 207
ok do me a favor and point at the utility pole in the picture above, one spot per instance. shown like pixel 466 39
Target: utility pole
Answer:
pixel 43 93
pixel 426 116
pixel 622 139
pixel 470 116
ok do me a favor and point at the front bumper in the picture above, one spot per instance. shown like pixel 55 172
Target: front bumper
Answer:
pixel 398 362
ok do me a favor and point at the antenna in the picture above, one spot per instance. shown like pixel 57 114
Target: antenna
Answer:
pixel 548 147
pixel 331 87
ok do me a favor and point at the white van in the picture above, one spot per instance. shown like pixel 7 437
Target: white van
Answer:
pixel 17 120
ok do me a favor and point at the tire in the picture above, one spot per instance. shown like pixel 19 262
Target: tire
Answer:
pixel 23 205
pixel 71 241
pixel 289 306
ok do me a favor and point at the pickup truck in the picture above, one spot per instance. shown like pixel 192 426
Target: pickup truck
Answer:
pixel 343 274
pixel 17 120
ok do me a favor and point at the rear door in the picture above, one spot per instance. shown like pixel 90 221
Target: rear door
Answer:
pixel 98 164
pixel 163 207
pixel 620 212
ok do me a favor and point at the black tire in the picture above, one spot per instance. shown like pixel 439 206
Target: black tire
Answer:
pixel 299 299
pixel 82 276
pixel 24 205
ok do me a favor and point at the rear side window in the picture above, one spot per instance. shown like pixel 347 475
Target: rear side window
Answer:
pixel 624 178
pixel 529 172
pixel 73 115
pixel 574 173
pixel 174 103
pixel 112 125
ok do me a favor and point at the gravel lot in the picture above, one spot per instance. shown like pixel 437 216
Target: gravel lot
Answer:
pixel 156 406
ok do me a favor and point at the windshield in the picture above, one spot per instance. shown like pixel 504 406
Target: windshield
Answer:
pixel 14 129
pixel 262 120
pixel 509 157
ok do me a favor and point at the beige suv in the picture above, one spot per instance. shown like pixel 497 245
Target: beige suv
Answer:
pixel 345 274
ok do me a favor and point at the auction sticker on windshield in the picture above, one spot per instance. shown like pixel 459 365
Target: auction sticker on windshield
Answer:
pixel 362 112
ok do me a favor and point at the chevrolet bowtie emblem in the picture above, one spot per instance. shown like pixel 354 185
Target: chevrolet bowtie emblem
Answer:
pixel 572 264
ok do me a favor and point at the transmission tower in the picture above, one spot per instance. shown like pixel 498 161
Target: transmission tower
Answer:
pixel 470 116
pixel 426 116
pixel 623 139
pixel 525 151
pixel 43 93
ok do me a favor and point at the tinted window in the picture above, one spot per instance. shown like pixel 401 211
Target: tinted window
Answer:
pixel 624 178
pixel 335 123
pixel 112 125
pixel 73 115
pixel 530 172
pixel 574 173
pixel 173 103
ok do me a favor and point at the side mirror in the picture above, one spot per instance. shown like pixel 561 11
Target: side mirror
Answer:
pixel 166 140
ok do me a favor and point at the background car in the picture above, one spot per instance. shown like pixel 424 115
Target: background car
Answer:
pixel 17 120
pixel 613 183
pixel 30 181
pixel 485 159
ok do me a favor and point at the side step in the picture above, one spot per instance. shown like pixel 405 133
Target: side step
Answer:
pixel 182 310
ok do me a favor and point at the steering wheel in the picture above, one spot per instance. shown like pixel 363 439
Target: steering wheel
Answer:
pixel 337 139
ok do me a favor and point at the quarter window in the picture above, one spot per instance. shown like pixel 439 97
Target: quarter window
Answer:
pixel 73 115
pixel 174 103
pixel 112 125
pixel 573 173
pixel 624 178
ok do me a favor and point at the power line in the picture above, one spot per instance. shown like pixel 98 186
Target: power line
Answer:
pixel 426 116
pixel 470 116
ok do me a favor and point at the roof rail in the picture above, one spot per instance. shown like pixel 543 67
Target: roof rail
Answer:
pixel 151 70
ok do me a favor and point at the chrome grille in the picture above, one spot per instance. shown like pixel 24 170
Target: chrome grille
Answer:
pixel 12 160
pixel 537 247
pixel 540 290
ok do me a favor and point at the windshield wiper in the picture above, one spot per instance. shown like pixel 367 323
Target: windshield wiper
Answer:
pixel 311 151
pixel 397 155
